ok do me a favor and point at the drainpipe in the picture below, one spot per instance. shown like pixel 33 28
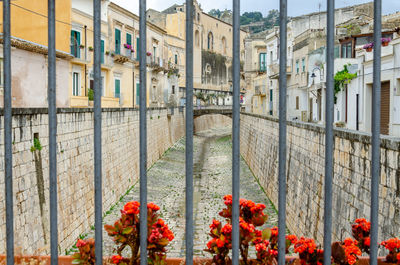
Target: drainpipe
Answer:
pixel 86 90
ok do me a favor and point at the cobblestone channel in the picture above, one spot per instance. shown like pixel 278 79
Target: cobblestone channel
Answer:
pixel 212 180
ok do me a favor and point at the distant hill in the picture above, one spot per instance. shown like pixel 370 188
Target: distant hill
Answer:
pixel 254 22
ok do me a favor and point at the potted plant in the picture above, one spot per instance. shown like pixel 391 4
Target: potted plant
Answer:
pixel 251 216
pixel 81 46
pixel 107 53
pixel 148 53
pixel 368 46
pixel 385 41
pixel 125 233
pixel 127 46
pixel 90 48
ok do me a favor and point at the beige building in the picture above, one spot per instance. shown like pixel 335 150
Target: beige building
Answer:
pixel 212 51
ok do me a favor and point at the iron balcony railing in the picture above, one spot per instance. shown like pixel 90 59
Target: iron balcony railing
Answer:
pixel 329 140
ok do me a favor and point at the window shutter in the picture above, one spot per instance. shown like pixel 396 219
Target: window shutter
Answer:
pixel 117 41
pixel 128 39
pixel 78 43
pixel 102 51
pixel 137 48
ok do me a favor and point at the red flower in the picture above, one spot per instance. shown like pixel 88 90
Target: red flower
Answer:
pixel 211 243
pixel 367 241
pixel 220 243
pixel 274 231
pixel 215 224
pixel 227 229
pixel 261 247
pixel 391 244
pixel 116 259
pixel 132 207
pixel 80 243
pixel 153 207
pixel 292 238
pixel 305 245
pixel 228 200
pixel 351 250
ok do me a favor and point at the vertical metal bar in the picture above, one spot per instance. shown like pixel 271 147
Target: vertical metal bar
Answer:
pixel 51 95
pixel 376 127
pixel 189 133
pixel 236 133
pixel 97 133
pixel 143 133
pixel 329 137
pixel 282 131
pixel 7 132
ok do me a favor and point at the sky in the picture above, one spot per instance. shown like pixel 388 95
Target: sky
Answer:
pixel 295 7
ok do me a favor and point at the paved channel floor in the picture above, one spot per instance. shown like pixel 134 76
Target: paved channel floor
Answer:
pixel 212 180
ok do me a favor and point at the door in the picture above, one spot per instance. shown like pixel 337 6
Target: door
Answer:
pixel 385 107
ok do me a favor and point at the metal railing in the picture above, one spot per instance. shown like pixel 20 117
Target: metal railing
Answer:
pixel 189 133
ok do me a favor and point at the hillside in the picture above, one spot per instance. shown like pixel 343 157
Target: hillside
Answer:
pixel 253 22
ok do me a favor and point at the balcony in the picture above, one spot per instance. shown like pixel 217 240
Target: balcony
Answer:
pixel 108 62
pixel 260 91
pixel 81 55
pixel 273 70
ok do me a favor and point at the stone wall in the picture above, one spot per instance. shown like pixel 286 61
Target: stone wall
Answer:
pixel 305 175
pixel 120 151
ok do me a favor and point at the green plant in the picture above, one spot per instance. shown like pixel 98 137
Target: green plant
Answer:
pixel 91 94
pixel 341 78
pixel 36 145
pixel 90 48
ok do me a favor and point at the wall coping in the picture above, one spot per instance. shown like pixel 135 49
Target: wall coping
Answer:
pixel 387 142
pixel 35 111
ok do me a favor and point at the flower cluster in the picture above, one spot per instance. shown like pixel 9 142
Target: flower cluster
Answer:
pixel 85 254
pixel 361 232
pixel 251 216
pixel 309 252
pixel 148 53
pixel 125 233
pixel 351 250
pixel 393 245
pixel 129 47
pixel 387 40
pixel 368 46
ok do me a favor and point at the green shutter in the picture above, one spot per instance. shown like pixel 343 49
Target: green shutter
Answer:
pixel 128 39
pixel 117 41
pixel 117 93
pixel 102 51
pixel 137 48
pixel 137 93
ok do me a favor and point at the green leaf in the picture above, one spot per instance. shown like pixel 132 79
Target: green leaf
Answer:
pixel 127 230
pixel 77 261
pixel 266 234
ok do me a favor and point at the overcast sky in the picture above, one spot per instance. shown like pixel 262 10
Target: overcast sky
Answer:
pixel 295 7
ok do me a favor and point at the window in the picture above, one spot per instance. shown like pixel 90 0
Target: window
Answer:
pixel 173 89
pixel 75 43
pixel 303 64
pixel 210 41
pixel 76 84
pixel 297 103
pixel 102 51
pixel 223 45
pixel 347 50
pixel 176 58
pixel 271 95
pixel 297 66
pixel 271 55
pixel 137 93
pixel 128 39
pixel 117 88
pixel 102 85
pixel 117 41
pixel 263 66
pixel 154 54
pixel 197 38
